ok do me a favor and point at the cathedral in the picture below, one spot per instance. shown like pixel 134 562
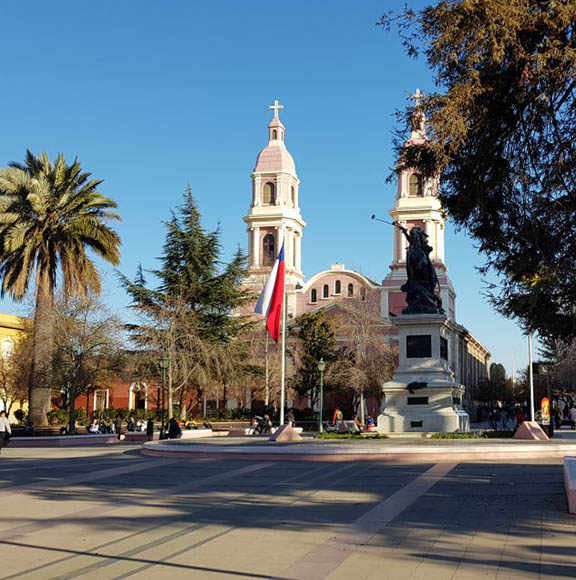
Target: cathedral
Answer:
pixel 275 217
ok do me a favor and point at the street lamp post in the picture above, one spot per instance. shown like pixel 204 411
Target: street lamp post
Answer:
pixel 164 366
pixel 321 367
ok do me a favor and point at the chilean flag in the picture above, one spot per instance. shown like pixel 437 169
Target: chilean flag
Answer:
pixel 270 302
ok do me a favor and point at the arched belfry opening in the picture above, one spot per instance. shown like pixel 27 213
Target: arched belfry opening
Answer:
pixel 269 194
pixel 268 250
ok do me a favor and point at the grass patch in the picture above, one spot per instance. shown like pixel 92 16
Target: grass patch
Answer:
pixel 325 435
pixel 498 434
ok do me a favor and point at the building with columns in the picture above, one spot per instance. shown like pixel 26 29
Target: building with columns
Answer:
pixel 275 215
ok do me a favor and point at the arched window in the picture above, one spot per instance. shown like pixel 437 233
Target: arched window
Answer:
pixel 325 291
pixel 274 134
pixel 293 192
pixel 337 287
pixel 350 290
pixel 269 250
pixel 313 295
pixel 363 294
pixel 269 194
pixel 416 185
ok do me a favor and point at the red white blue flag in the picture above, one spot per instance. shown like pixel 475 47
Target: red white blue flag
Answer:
pixel 272 298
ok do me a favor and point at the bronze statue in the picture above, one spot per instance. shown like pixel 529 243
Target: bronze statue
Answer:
pixel 422 283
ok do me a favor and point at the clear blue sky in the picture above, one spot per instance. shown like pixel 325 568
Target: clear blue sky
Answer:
pixel 151 95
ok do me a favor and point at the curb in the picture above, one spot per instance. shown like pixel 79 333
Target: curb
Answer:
pixel 303 452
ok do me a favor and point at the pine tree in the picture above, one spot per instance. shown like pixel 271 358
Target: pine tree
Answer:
pixel 191 316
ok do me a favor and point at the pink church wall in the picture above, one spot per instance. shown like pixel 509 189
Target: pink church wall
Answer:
pixel 396 302
pixel 303 303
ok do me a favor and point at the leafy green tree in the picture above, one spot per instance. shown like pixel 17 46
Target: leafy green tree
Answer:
pixel 315 339
pixel 495 388
pixel 503 134
pixel 190 317
pixel 50 215
pixel 497 372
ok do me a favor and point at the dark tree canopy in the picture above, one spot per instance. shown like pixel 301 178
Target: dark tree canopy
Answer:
pixel 503 140
pixel 316 338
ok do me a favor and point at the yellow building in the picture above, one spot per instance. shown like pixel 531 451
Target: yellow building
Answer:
pixel 12 329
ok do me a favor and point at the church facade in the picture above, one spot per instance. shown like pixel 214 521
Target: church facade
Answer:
pixel 275 217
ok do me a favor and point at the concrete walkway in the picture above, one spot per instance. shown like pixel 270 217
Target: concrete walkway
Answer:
pixel 111 513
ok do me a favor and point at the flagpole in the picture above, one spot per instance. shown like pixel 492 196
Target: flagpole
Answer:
pixel 283 373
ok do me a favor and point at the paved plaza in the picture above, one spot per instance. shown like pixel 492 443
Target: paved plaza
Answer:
pixel 112 513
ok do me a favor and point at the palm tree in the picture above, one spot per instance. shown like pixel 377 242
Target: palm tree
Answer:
pixel 50 214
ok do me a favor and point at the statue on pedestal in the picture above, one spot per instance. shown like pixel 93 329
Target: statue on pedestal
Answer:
pixel 420 288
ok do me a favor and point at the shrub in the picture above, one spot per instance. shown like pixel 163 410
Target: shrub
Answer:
pixel 57 417
pixel 229 414
pixel 502 434
pixel 306 414
pixel 60 416
pixel 20 415
pixel 349 436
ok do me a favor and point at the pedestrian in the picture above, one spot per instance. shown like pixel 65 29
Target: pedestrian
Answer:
pixel 291 418
pixel 337 418
pixel 573 417
pixel 150 428
pixel 5 430
pixel 174 431
pixel 118 426
pixel 519 418
pixel 494 418
pixel 504 418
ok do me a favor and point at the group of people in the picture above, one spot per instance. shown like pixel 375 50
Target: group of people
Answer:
pixel 506 417
pixel 355 425
pixel 99 426
pixel 512 416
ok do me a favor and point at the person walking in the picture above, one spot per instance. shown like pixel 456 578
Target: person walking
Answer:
pixel 5 430
pixel 337 418
pixel 174 431
pixel 573 417
pixel 118 426
pixel 150 429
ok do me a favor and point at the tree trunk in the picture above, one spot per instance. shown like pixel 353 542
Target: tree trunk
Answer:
pixel 40 381
pixel 71 414
pixel 182 404
pixel 170 398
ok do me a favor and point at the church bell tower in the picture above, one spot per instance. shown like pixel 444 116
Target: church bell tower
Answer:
pixel 274 215
pixel 417 204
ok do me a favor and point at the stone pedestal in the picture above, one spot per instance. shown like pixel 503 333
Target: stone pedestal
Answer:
pixel 423 395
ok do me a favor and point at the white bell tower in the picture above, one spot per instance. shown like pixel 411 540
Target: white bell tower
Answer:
pixel 417 204
pixel 274 215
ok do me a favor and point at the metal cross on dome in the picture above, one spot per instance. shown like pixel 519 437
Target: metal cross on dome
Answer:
pixel 276 106
pixel 417 96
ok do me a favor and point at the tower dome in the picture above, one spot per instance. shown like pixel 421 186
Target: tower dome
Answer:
pixel 275 156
